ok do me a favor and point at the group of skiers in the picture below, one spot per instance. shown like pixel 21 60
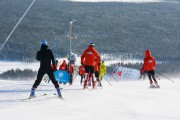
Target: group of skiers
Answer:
pixel 91 67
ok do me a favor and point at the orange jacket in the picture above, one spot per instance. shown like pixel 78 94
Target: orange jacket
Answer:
pixel 63 66
pixel 71 69
pixel 89 56
pixel 52 66
pixel 149 61
pixel 82 70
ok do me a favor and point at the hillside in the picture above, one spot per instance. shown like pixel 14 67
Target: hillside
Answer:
pixel 123 28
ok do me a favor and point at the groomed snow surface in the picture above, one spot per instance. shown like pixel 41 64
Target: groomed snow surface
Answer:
pixel 123 100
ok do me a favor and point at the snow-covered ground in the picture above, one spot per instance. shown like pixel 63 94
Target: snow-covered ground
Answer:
pixel 124 100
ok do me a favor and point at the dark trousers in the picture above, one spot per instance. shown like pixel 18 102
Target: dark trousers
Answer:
pixel 82 76
pixel 41 72
pixel 89 69
pixel 151 75
pixel 71 79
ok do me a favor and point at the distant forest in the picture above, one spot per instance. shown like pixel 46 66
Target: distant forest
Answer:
pixel 115 28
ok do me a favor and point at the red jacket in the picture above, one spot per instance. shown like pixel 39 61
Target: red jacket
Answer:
pixel 89 56
pixel 149 61
pixel 63 66
pixel 52 66
pixel 82 70
pixel 71 69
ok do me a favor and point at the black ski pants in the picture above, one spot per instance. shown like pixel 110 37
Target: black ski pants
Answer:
pixel 41 72
pixel 151 75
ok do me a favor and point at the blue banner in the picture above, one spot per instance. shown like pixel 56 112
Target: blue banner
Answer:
pixel 62 76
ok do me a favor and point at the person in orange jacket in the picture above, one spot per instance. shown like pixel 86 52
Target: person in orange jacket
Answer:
pixel 149 67
pixel 71 71
pixel 88 60
pixel 82 73
pixel 63 66
pixel 56 65
pixel 142 73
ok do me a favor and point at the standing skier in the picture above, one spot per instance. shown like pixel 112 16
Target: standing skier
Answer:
pixel 63 66
pixel 82 73
pixel 88 60
pixel 71 71
pixel 45 56
pixel 103 70
pixel 149 67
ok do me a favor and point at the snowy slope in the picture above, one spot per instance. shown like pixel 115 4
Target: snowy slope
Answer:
pixel 125 100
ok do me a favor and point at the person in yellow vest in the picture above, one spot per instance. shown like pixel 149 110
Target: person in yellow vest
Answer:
pixel 103 70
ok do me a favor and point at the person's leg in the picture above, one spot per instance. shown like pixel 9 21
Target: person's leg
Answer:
pixel 149 76
pixel 71 80
pixel 52 77
pixel 40 75
pixel 81 79
pixel 53 80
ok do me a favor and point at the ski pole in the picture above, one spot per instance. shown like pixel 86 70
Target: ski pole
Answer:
pixel 165 76
pixel 45 79
pixel 107 81
pixel 75 76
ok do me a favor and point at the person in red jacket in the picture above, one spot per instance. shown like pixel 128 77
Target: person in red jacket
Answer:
pixel 82 73
pixel 88 60
pixel 149 67
pixel 56 65
pixel 63 66
pixel 71 71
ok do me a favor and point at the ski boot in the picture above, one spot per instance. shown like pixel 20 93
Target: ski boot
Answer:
pixel 157 85
pixel 85 85
pixel 94 84
pixel 152 85
pixel 32 95
pixel 59 93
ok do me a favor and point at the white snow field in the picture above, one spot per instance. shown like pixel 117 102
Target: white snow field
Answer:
pixel 123 100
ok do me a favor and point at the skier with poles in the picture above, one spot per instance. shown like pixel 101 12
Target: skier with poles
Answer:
pixel 103 70
pixel 45 56
pixel 88 60
pixel 149 67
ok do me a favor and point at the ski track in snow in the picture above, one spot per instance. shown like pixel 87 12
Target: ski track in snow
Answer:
pixel 124 100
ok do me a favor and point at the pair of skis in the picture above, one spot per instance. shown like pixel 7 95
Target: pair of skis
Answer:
pixel 32 97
